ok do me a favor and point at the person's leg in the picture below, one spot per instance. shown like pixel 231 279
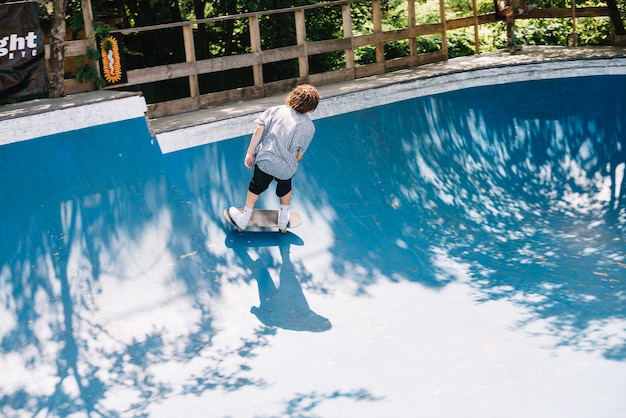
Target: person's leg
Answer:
pixel 286 199
pixel 242 217
pixel 259 183
pixel 283 191
pixel 251 200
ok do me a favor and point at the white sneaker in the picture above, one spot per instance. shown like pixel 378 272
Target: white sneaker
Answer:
pixel 238 218
pixel 283 220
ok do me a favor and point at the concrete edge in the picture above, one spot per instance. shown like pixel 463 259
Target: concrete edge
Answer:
pixel 400 87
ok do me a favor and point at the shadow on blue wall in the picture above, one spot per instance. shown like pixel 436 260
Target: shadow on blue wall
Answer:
pixel 522 185
pixel 285 305
pixel 528 197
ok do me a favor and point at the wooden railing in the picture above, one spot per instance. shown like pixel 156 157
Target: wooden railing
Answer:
pixel 192 68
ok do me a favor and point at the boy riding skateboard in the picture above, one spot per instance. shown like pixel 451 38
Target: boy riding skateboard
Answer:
pixel 276 148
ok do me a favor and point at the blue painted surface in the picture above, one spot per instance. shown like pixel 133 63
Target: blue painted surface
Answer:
pixel 517 181
pixel 435 229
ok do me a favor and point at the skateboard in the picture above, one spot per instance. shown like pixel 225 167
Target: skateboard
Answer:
pixel 267 218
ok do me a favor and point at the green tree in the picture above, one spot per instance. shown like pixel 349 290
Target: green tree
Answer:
pixel 57 54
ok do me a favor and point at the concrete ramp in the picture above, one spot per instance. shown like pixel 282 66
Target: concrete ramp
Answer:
pixel 462 254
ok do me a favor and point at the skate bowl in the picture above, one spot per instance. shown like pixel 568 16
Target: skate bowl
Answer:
pixel 462 254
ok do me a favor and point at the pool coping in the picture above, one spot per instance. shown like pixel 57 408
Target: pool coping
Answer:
pixel 233 120
pixel 204 126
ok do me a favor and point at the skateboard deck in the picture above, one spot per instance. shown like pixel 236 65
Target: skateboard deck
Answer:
pixel 267 218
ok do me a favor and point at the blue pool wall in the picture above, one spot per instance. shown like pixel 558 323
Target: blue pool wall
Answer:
pixel 483 175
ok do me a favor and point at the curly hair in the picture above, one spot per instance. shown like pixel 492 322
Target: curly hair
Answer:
pixel 304 98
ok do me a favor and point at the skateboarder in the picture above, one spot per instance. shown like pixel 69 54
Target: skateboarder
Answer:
pixel 277 145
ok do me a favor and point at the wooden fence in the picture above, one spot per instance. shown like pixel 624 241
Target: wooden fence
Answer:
pixel 192 68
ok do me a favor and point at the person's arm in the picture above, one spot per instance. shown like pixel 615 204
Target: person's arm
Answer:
pixel 254 141
pixel 299 156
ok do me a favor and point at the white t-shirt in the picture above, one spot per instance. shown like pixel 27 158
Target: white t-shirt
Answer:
pixel 286 133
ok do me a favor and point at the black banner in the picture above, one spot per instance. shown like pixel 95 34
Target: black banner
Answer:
pixel 22 55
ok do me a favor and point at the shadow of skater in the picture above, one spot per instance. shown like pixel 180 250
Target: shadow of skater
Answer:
pixel 283 306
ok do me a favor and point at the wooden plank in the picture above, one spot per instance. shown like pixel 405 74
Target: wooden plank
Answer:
pixel 173 107
pixel 303 61
pixel 411 21
pixel 160 73
pixel 329 45
pixel 566 12
pixel 229 62
pixel 431 57
pixel 190 57
pixel 465 22
pixel 346 19
pixel 73 86
pixel 476 28
pixel 365 40
pixel 378 29
pixel 442 18
pixel 282 86
pixel 255 45
pixel 231 96
pixel 432 29
pixel 87 11
pixel 397 63
pixel 574 37
pixel 369 69
pixel 332 76
pixel 282 54
pixel 398 34
pixel 72 48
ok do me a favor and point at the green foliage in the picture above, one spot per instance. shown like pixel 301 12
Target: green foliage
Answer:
pixel 323 23
pixel 329 61
pixel 365 55
pixel 430 43
pixel 427 13
pixel 485 6
pixel 87 71
pixel 228 37
pixel 102 30
pixel 593 31
pixel 460 42
pixel 396 49
pixel 459 8
pixel 93 54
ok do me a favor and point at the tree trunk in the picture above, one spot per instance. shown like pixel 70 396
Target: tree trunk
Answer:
pixel 616 19
pixel 57 53
pixel 202 47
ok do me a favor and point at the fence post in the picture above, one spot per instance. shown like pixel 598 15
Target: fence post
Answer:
pixel 574 34
pixel 303 60
pixel 85 5
pixel 255 46
pixel 378 30
pixel 190 56
pixel 476 36
pixel 346 18
pixel 444 35
pixel 413 38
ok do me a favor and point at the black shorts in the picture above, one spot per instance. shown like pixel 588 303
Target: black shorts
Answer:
pixel 261 181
